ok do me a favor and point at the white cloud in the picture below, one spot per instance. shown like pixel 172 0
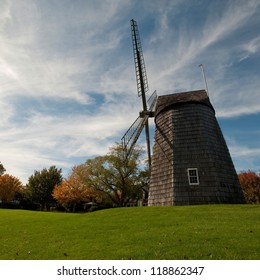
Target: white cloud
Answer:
pixel 74 53
pixel 238 110
pixel 214 44
pixel 190 45
pixel 6 112
pixel 49 139
pixel 49 55
pixel 244 156
pixel 43 54
pixel 250 48
pixel 253 46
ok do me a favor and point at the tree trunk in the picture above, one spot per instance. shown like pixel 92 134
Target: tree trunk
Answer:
pixel 74 207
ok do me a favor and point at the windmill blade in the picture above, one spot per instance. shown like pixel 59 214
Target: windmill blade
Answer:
pixel 131 136
pixel 141 77
pixel 152 100
pixel 152 103
pixel 147 133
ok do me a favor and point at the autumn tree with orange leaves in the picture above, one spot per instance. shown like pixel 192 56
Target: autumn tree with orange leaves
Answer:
pixel 250 183
pixel 74 190
pixel 9 187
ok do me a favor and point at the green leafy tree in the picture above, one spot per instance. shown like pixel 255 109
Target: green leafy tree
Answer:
pixel 119 179
pixel 41 184
pixel 2 169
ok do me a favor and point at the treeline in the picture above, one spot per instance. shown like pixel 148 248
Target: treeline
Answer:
pixel 101 182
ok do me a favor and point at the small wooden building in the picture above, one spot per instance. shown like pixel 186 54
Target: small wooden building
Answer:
pixel 191 163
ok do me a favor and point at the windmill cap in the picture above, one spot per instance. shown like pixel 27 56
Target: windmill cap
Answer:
pixel 181 98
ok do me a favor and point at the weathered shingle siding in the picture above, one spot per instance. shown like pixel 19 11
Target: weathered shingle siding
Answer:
pixel 161 191
pixel 187 135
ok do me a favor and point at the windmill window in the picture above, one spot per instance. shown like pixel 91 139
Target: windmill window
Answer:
pixel 193 176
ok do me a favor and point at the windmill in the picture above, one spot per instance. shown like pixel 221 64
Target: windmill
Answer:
pixel 132 134
pixel 191 163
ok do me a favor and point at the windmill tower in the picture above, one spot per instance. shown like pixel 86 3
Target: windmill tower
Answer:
pixel 191 163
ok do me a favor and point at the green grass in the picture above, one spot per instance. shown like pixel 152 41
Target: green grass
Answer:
pixel 182 232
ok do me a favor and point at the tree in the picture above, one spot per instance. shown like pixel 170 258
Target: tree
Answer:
pixel 119 179
pixel 250 183
pixel 9 187
pixel 40 185
pixel 74 190
pixel 2 169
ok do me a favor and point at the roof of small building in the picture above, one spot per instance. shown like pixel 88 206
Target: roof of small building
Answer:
pixel 197 96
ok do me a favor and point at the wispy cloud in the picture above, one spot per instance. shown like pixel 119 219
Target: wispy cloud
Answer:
pixel 250 48
pixel 244 156
pixel 67 81
pixel 216 43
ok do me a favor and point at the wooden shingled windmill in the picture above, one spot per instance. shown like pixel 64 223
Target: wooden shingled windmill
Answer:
pixel 191 163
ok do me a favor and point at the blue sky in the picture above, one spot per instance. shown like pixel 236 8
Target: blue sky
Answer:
pixel 67 78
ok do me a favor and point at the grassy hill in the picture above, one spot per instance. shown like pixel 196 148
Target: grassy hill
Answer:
pixel 183 232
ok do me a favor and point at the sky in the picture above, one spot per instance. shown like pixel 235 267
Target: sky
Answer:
pixel 67 76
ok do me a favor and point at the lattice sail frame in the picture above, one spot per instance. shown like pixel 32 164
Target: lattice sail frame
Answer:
pixel 132 134
pixel 141 77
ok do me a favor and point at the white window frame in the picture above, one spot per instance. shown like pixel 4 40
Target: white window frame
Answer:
pixel 192 178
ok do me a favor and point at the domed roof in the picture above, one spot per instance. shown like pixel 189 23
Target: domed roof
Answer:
pixel 176 99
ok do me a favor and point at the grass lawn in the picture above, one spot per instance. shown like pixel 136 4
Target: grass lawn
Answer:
pixel 181 232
